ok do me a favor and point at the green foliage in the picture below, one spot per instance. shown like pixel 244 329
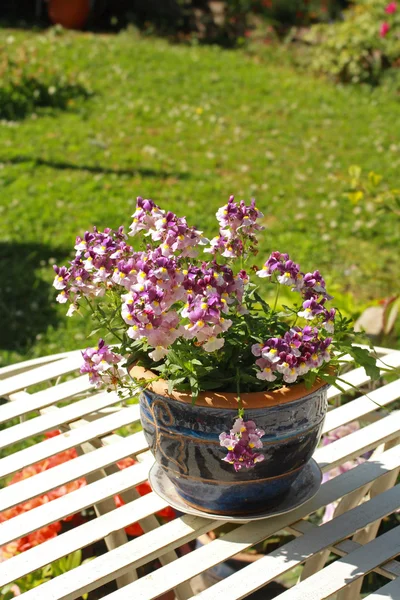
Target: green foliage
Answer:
pixel 375 202
pixel 36 578
pixel 29 82
pixel 353 50
pixel 285 13
pixel 195 123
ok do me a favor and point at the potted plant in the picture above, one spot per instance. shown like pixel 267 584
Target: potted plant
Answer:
pixel 233 390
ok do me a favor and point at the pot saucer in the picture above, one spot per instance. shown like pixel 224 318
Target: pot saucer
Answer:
pixel 303 489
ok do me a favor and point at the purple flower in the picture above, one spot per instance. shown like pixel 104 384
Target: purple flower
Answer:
pixel 238 225
pixel 266 372
pixel 312 308
pixel 310 285
pixel 291 356
pixel 329 320
pixel 100 364
pixel 61 278
pixel 240 443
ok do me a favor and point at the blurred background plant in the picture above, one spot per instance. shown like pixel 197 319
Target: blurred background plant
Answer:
pixel 362 47
pixel 28 83
pixel 370 193
pixel 227 22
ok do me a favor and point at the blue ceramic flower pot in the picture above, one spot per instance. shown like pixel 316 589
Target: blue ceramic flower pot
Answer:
pixel 185 442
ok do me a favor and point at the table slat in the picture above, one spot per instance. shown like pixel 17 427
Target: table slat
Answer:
pixel 390 591
pixel 256 575
pixel 14 369
pixel 39 375
pixel 342 572
pixel 389 569
pixel 361 406
pixel 79 537
pixel 70 439
pixel 52 395
pixel 358 442
pixel 358 376
pixel 72 503
pixel 79 467
pixel 109 566
pixel 54 419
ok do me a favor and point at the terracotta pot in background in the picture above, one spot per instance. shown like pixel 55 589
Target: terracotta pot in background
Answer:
pixel 71 14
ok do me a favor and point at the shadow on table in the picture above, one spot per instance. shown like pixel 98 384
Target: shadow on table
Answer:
pixel 27 302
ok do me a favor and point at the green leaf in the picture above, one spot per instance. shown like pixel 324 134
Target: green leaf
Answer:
pixel 364 359
pixel 74 559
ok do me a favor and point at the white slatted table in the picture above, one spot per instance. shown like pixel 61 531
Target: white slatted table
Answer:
pixel 365 495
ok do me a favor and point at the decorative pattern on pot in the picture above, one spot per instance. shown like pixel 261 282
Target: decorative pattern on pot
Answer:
pixel 185 442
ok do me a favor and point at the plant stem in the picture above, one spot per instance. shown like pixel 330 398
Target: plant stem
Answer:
pixel 277 296
pixel 101 321
pixel 241 410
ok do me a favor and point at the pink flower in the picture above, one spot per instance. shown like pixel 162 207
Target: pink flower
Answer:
pixel 384 30
pixel 391 8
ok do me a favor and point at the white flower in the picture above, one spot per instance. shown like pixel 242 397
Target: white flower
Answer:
pixel 62 297
pixel 263 272
pixel 306 314
pixel 271 355
pixel 328 326
pixel 59 283
pixel 266 374
pixel 286 279
pixel 158 353
pixel 291 376
pixel 303 369
pixel 213 343
pixel 88 264
pixel 71 310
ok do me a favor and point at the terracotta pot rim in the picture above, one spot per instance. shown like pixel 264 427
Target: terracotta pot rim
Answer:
pixel 228 400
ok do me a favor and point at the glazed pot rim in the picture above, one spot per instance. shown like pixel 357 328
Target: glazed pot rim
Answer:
pixel 228 400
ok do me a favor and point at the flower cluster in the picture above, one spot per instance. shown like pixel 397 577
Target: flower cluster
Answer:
pixel 164 297
pixel 211 290
pixel 238 228
pixel 202 324
pixel 311 286
pixel 171 232
pixel 292 355
pixel 95 268
pixel 240 442
pixel 101 365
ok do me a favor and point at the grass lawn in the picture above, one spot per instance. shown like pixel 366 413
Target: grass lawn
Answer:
pixel 187 126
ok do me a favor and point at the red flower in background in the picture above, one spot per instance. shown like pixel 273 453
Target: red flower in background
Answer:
pixel 384 30
pixel 391 8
